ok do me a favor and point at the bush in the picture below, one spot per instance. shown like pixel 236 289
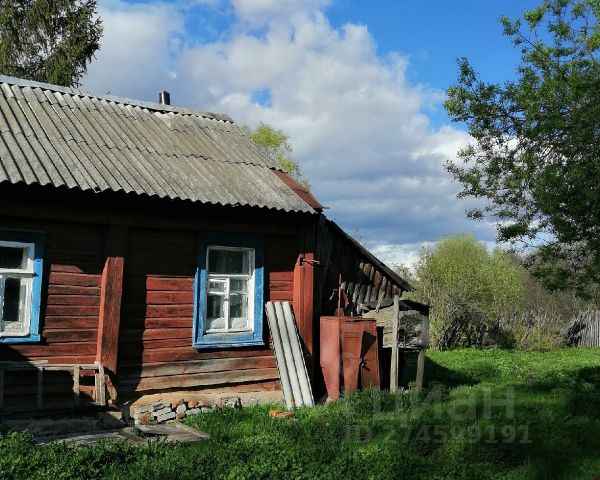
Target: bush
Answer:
pixel 481 298
pixel 468 289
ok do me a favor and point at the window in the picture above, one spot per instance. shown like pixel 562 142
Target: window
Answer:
pixel 20 286
pixel 229 292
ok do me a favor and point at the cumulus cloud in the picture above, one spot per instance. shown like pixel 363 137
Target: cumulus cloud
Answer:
pixel 259 12
pixel 138 50
pixel 357 125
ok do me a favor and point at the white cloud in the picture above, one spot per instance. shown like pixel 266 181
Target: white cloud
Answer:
pixel 137 50
pixel 259 12
pixel 397 254
pixel 358 126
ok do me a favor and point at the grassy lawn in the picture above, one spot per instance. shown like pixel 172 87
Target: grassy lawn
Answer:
pixel 485 414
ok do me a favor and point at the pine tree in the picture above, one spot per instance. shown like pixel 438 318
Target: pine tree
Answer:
pixel 48 40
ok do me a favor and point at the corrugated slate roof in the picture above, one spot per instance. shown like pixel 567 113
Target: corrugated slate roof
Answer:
pixel 59 136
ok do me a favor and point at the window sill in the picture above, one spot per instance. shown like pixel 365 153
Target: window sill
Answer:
pixel 227 340
pixel 16 340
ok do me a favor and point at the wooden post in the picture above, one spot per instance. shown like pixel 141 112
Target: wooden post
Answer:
pixel 420 369
pixel 394 366
pixel 1 389
pixel 40 388
pixel 110 297
pixel 76 393
pixel 422 352
pixel 101 388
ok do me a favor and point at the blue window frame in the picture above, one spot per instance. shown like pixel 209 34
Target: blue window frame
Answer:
pixel 21 268
pixel 229 291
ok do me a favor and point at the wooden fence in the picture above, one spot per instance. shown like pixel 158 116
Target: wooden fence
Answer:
pixel 584 330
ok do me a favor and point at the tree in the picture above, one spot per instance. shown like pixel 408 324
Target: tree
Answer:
pixel 535 151
pixel 469 289
pixel 277 143
pixel 48 40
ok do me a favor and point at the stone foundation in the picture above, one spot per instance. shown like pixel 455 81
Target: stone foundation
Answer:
pixel 161 408
pixel 161 412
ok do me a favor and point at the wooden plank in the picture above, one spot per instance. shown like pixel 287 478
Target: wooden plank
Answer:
pixel 377 281
pixel 131 323
pixel 54 350
pixel 34 365
pixel 282 296
pixel 157 333
pixel 73 290
pixel 75 300
pixel 163 298
pixel 69 323
pixel 165 283
pixel 72 310
pixel 71 359
pixel 394 365
pixel 420 369
pixel 153 343
pixel 60 268
pixel 287 276
pixel 64 336
pixel 76 392
pixel 102 387
pixel 84 280
pixel 202 379
pixel 197 366
pixel 281 286
pixel 169 322
pixel 131 357
pixel 110 297
pixel 96 388
pixel 157 311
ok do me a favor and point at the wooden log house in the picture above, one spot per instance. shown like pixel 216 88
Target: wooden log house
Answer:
pixel 139 243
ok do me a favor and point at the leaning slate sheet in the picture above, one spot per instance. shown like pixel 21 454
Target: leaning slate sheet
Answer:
pixel 288 351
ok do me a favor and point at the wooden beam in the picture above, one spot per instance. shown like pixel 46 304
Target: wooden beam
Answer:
pixel 101 386
pixel 420 369
pixel 76 396
pixel 111 292
pixel 394 366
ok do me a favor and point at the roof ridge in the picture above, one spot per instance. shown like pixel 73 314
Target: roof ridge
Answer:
pixel 159 107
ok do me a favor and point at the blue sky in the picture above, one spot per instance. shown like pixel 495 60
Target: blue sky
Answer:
pixel 357 85
pixel 435 33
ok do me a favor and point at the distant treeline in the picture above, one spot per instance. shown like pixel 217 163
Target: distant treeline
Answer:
pixel 482 298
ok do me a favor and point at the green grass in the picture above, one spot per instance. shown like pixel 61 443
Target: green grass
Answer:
pixel 543 422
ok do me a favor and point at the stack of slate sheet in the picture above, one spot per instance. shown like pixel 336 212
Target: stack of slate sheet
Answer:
pixel 295 381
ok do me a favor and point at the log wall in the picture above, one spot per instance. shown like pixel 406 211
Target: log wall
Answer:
pixel 159 255
pixel 157 316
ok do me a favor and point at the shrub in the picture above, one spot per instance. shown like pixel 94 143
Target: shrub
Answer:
pixel 468 289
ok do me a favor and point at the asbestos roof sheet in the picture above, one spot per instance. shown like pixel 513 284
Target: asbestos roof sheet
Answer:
pixel 64 137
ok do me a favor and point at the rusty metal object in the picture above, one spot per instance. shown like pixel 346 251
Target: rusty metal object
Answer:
pixel 349 352
pixel 330 355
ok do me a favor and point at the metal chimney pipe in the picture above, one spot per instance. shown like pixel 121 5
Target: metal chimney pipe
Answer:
pixel 164 98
